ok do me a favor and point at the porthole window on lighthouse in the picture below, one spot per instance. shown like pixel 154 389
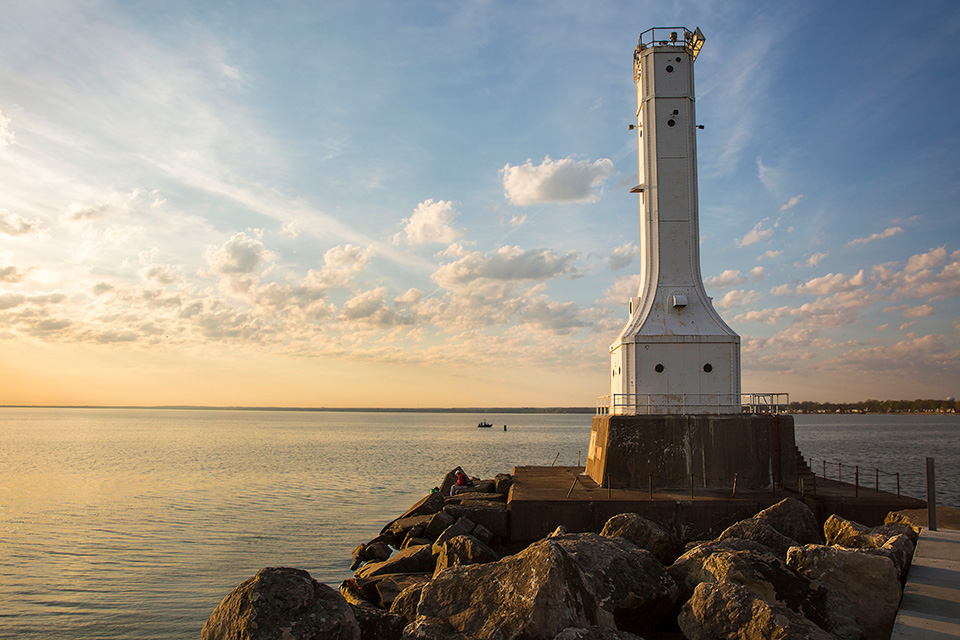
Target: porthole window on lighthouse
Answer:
pixel 658 368
pixel 707 368
pixel 669 68
pixel 671 122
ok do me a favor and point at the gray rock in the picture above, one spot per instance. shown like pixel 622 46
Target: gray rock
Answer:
pixel 493 515
pixel 282 603
pixel 846 533
pixel 482 534
pixel 502 483
pixel 461 527
pixel 405 604
pixel 464 550
pixel 377 552
pixel 759 531
pixel 533 595
pixel 729 610
pixel 418 559
pixel 793 519
pixel 438 524
pixel 401 526
pixel 870 582
pixel 646 534
pixel 390 587
pixel 432 629
pixel 628 581
pixel 594 633
pixel 377 623
pixel 687 570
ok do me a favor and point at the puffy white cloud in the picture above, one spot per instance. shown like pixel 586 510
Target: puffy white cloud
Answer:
pixel 12 274
pixel 792 202
pixel 756 234
pixel 832 283
pixel 430 222
pixel 241 254
pixel 886 233
pixel 624 288
pixel 770 254
pixel 919 311
pixel 929 260
pixel 735 298
pixel 507 264
pixel 290 229
pixel 622 256
pixel 565 180
pixel 817 258
pixel 13 224
pixel 732 277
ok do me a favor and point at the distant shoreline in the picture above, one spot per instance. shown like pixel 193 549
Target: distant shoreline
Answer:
pixel 480 410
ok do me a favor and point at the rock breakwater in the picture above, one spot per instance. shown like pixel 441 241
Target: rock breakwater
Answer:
pixel 445 570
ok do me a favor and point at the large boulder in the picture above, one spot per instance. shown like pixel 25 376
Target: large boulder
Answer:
pixel 382 589
pixel 777 584
pixel 687 570
pixel 846 533
pixel 502 483
pixel 493 515
pixel 464 550
pixel 793 519
pixel 869 581
pixel 729 610
pixel 646 534
pixel 405 604
pixel 419 559
pixel 628 581
pixel 594 633
pixel 430 504
pixel 432 629
pixel 460 527
pixel 374 622
pixel 282 603
pixel 759 531
pixel 438 524
pixel 400 527
pixel 533 595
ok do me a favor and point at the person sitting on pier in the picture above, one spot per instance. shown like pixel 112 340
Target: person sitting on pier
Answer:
pixel 462 483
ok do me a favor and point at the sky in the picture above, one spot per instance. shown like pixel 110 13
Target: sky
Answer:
pixel 426 204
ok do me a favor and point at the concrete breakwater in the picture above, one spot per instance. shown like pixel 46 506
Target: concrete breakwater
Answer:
pixel 446 569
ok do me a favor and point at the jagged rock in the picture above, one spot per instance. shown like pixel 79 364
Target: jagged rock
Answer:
pixel 759 531
pixel 482 534
pixel 793 519
pixel 430 504
pixel 377 623
pixel 415 542
pixel 776 584
pixel 905 519
pixel 846 533
pixel 729 610
pixel 467 496
pixel 533 595
pixel 399 527
pixel 432 629
pixel 628 581
pixel 502 483
pixel 869 581
pixel 461 527
pixel 405 604
pixel 389 587
pixel 594 633
pixel 559 531
pixel 415 532
pixel 646 534
pixel 358 556
pixel 410 560
pixel 899 549
pixel 892 529
pixel 376 550
pixel 438 524
pixel 493 515
pixel 464 550
pixel 687 570
pixel 282 603
pixel 352 593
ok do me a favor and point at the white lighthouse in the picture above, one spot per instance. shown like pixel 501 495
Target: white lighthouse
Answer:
pixel 675 355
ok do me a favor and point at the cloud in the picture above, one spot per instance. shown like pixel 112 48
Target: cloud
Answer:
pixel 430 222
pixel 891 231
pixel 792 202
pixel 736 298
pixel 507 264
pixel 931 259
pixel 920 311
pixel 290 229
pixel 13 224
pixel 12 274
pixel 240 254
pixel 817 258
pixel 770 254
pixel 732 277
pixel 832 283
pixel 516 221
pixel 565 180
pixel 78 212
pixel 622 256
pixel 755 235
pixel 6 135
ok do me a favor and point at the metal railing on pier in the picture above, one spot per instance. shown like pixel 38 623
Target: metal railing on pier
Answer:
pixel 827 468
pixel 639 404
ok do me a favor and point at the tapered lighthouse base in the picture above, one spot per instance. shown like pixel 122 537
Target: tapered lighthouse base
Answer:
pixel 711 451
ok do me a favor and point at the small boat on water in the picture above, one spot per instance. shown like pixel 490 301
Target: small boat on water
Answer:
pixel 484 424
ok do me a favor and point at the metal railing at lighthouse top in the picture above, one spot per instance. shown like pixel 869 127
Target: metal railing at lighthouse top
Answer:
pixel 640 404
pixel 672 36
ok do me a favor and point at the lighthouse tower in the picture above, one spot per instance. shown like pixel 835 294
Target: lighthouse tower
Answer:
pixel 675 354
pixel 674 416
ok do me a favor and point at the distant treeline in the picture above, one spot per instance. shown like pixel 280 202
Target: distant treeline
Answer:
pixel 878 406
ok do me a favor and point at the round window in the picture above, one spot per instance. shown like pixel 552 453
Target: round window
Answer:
pixel 669 68
pixel 707 368
pixel 658 368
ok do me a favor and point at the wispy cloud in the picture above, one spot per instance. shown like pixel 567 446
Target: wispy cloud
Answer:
pixel 886 233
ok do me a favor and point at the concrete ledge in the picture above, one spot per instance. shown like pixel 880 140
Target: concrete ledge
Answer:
pixel 930 607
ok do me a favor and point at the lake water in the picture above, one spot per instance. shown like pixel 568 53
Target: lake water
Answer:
pixel 122 523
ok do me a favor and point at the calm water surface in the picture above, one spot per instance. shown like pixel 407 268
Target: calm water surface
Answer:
pixel 135 523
